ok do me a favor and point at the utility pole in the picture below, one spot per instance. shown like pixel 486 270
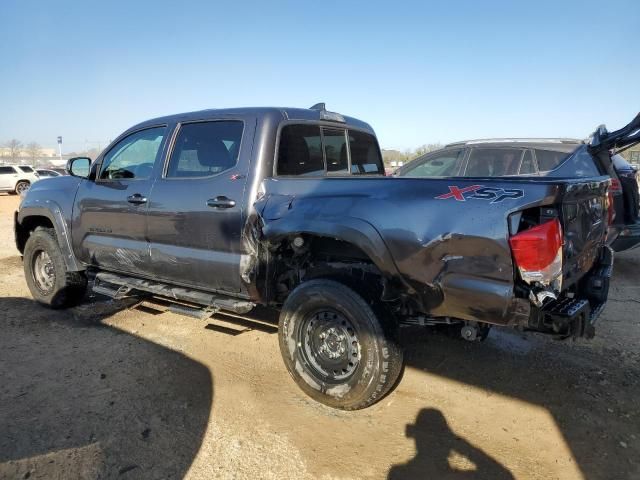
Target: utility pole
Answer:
pixel 60 148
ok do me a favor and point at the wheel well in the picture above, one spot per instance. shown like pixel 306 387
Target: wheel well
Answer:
pixel 28 225
pixel 303 257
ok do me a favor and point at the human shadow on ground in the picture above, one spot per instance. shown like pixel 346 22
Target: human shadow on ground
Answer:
pixel 590 397
pixel 435 446
pixel 79 399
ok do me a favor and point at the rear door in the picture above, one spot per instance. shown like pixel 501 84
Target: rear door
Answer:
pixel 196 210
pixel 109 224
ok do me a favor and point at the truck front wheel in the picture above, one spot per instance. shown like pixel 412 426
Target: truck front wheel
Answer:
pixel 335 347
pixel 46 273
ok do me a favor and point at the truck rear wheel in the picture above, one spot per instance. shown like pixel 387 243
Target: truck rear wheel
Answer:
pixel 46 273
pixel 335 347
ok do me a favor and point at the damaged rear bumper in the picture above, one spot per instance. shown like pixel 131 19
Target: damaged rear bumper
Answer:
pixel 574 314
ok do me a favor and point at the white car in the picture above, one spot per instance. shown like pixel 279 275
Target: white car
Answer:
pixel 17 178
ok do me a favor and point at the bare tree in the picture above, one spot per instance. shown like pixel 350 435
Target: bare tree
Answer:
pixel 15 148
pixel 34 151
pixel 426 148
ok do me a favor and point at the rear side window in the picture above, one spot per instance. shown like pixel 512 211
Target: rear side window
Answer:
pixel 445 164
pixel 205 148
pixel 579 164
pixel 26 169
pixel 311 150
pixel 493 162
pixel 548 159
pixel 6 170
pixel 527 167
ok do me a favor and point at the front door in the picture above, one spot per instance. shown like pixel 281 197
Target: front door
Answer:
pixel 195 215
pixel 109 225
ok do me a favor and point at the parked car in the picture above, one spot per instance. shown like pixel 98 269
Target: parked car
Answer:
pixel 549 157
pixel 628 206
pixel 16 179
pixel 47 173
pixel 289 208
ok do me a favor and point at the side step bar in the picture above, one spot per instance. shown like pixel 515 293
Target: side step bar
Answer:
pixel 119 286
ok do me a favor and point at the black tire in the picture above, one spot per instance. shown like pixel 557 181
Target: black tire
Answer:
pixel 358 360
pixel 21 186
pixel 46 273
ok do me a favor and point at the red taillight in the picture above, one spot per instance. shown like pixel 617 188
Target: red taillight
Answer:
pixel 616 186
pixel 538 252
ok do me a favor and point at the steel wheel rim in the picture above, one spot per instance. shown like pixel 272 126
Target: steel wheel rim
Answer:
pixel 44 274
pixel 330 345
pixel 22 187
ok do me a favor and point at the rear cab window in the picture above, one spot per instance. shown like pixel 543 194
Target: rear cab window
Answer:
pixel 318 150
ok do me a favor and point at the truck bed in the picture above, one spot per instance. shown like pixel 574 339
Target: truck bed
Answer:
pixel 447 238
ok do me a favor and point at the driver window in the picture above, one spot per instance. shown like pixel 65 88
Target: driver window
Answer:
pixel 133 157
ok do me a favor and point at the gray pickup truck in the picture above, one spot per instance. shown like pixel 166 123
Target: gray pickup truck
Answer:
pixel 224 210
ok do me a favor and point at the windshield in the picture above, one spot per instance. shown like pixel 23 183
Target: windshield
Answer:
pixel 26 169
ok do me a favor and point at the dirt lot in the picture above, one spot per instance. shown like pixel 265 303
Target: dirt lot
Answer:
pixel 106 391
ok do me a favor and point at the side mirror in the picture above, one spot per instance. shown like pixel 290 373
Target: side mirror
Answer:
pixel 79 166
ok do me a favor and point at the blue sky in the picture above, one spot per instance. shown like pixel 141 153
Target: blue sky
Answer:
pixel 419 72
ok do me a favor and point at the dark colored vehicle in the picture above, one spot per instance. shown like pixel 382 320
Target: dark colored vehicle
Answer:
pixel 44 173
pixel 549 157
pixel 628 205
pixel 289 208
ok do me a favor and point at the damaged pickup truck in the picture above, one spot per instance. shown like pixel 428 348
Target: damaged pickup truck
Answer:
pixel 224 210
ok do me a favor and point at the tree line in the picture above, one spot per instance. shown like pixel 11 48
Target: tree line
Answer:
pixel 409 154
pixel 14 149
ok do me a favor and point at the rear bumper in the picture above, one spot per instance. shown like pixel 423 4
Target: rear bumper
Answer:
pixel 574 314
pixel 628 238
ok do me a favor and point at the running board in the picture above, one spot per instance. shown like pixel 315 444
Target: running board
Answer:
pixel 194 312
pixel 119 286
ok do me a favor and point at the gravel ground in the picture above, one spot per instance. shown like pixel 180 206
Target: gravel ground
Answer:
pixel 106 390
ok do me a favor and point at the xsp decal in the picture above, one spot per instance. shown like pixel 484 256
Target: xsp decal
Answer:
pixel 458 193
pixel 480 192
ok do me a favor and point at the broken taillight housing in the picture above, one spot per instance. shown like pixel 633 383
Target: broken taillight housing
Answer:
pixel 538 252
pixel 616 187
pixel 611 211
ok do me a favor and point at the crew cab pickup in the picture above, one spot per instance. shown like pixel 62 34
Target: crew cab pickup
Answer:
pixel 289 208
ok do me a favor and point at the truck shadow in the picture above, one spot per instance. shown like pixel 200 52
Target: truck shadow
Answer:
pixel 80 399
pixel 567 384
pixel 435 445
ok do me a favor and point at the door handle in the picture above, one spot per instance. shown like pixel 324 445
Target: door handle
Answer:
pixel 221 202
pixel 136 199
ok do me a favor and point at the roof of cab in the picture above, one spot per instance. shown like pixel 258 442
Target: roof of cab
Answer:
pixel 280 113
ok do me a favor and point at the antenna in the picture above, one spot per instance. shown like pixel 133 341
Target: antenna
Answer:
pixel 319 106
